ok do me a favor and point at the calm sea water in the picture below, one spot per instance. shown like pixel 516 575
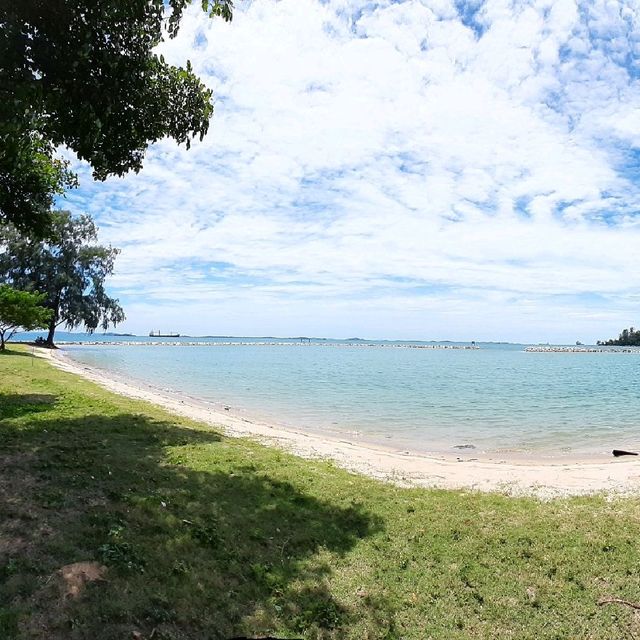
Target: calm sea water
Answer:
pixel 496 398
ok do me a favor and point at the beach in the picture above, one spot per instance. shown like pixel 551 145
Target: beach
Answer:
pixel 512 474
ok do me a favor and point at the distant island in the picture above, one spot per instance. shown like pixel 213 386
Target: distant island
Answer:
pixel 628 338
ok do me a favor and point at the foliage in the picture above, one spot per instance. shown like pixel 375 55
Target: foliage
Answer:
pixel 206 536
pixel 84 74
pixel 20 309
pixel 69 268
pixel 627 338
pixel 30 177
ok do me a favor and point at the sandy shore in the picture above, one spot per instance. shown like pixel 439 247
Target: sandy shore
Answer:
pixel 543 478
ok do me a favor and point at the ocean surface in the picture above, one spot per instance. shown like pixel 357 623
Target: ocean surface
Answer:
pixel 497 398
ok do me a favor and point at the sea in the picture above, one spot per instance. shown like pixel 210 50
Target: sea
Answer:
pixel 422 397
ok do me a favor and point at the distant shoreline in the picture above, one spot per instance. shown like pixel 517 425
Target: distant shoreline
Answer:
pixel 262 343
pixel 217 341
pixel 580 349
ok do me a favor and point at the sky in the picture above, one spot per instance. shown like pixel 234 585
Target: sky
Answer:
pixel 417 169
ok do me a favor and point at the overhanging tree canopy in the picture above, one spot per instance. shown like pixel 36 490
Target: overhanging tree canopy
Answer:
pixel 83 73
pixel 69 268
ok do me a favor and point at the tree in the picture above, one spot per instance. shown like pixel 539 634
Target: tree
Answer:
pixel 68 267
pixel 84 74
pixel 20 310
pixel 627 338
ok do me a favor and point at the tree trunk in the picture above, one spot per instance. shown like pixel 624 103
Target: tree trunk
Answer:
pixel 2 341
pixel 52 330
pixel 53 323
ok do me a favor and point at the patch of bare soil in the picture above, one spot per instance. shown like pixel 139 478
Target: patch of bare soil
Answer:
pixel 74 577
pixel 17 487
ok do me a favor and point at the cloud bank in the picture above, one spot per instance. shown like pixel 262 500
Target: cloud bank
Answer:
pixel 412 169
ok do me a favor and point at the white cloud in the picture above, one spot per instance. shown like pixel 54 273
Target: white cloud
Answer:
pixel 398 169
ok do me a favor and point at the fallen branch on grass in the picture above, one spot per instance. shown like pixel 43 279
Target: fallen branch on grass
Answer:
pixel 626 603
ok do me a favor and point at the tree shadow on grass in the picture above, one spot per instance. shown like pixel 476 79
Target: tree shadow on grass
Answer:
pixel 197 545
pixel 12 352
pixel 17 405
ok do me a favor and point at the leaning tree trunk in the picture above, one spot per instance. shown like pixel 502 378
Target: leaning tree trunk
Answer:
pixel 52 330
pixel 53 323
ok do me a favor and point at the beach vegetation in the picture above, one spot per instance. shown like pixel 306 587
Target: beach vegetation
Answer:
pixel 120 520
pixel 69 268
pixel 20 310
pixel 627 338
pixel 86 75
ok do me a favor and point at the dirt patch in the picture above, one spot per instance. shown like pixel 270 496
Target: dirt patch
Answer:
pixel 17 511
pixel 77 575
pixel 10 546
pixel 16 471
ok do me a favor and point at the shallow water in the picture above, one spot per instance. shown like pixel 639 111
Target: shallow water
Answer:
pixel 496 398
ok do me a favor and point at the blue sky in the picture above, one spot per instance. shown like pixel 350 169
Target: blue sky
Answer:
pixel 425 169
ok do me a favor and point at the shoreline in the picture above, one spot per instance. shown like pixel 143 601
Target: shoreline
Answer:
pixel 544 478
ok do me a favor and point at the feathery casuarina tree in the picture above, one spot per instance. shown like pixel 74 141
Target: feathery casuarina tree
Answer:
pixel 69 267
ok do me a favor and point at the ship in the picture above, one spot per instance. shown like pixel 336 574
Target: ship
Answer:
pixel 159 334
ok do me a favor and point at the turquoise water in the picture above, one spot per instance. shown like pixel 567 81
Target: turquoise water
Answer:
pixel 496 398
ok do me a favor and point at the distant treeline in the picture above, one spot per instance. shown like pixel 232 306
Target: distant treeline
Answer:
pixel 628 338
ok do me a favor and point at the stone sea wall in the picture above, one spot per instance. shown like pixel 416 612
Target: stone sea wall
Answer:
pixel 195 343
pixel 581 349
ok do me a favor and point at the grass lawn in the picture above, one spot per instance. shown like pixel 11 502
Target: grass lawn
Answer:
pixel 204 536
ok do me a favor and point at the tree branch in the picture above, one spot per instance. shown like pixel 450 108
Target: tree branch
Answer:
pixel 626 603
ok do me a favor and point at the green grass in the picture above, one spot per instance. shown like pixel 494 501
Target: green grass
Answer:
pixel 210 537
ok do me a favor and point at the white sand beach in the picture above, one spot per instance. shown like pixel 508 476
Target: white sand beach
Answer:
pixel 466 471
